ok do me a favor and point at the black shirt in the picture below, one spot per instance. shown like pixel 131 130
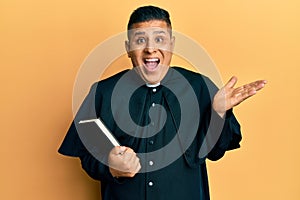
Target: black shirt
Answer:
pixel 171 127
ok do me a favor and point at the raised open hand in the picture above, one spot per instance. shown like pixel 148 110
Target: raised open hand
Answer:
pixel 228 96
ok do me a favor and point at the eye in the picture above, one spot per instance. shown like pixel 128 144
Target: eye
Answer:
pixel 141 41
pixel 159 39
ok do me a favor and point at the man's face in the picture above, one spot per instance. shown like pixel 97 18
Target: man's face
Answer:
pixel 150 47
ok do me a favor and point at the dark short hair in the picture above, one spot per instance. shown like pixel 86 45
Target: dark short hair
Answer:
pixel 148 13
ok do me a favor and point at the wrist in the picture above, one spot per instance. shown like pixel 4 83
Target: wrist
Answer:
pixel 221 114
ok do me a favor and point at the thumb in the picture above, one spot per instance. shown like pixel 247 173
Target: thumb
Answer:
pixel 119 150
pixel 231 83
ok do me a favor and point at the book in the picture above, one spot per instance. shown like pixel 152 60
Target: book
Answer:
pixel 90 126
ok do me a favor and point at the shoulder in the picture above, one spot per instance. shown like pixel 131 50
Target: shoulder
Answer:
pixel 186 72
pixel 108 83
pixel 195 77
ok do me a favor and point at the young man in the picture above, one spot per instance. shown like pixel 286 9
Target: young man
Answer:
pixel 169 124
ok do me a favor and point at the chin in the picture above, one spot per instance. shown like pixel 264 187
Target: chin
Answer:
pixel 151 80
pixel 150 77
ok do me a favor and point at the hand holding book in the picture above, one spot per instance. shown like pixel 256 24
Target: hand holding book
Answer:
pixel 122 161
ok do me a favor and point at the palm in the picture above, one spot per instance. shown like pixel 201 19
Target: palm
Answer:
pixel 228 96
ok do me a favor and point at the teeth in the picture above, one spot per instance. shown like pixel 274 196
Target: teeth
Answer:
pixel 151 59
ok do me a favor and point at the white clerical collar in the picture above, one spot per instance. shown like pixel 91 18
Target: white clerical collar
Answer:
pixel 152 85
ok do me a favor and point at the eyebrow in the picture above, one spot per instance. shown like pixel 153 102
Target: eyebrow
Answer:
pixel 143 32
pixel 159 32
pixel 139 33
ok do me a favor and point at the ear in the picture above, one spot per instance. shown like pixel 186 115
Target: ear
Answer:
pixel 172 43
pixel 127 47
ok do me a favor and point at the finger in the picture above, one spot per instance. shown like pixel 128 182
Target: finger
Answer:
pixel 243 95
pixel 128 174
pixel 119 150
pixel 260 84
pixel 137 165
pixel 131 160
pixel 130 157
pixel 243 91
pixel 231 83
pixel 129 150
pixel 115 150
pixel 248 93
pixel 257 85
pixel 250 88
pixel 134 162
pixel 123 174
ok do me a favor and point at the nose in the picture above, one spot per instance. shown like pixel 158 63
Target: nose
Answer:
pixel 150 47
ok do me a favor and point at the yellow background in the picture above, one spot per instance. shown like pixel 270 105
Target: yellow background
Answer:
pixel 43 44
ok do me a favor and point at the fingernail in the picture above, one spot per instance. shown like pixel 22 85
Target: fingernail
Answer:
pixel 122 148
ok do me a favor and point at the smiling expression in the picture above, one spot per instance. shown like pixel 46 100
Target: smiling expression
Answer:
pixel 150 47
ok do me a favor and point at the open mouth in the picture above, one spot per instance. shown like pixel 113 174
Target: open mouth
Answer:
pixel 151 63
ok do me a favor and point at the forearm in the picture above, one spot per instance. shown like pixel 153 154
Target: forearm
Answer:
pixel 230 134
pixel 94 168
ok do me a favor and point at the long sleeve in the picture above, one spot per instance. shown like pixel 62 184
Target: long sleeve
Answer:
pixel 215 135
pixel 223 134
pixel 73 145
pixel 230 136
pixel 94 168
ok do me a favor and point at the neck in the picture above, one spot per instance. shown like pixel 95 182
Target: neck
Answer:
pixel 152 85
